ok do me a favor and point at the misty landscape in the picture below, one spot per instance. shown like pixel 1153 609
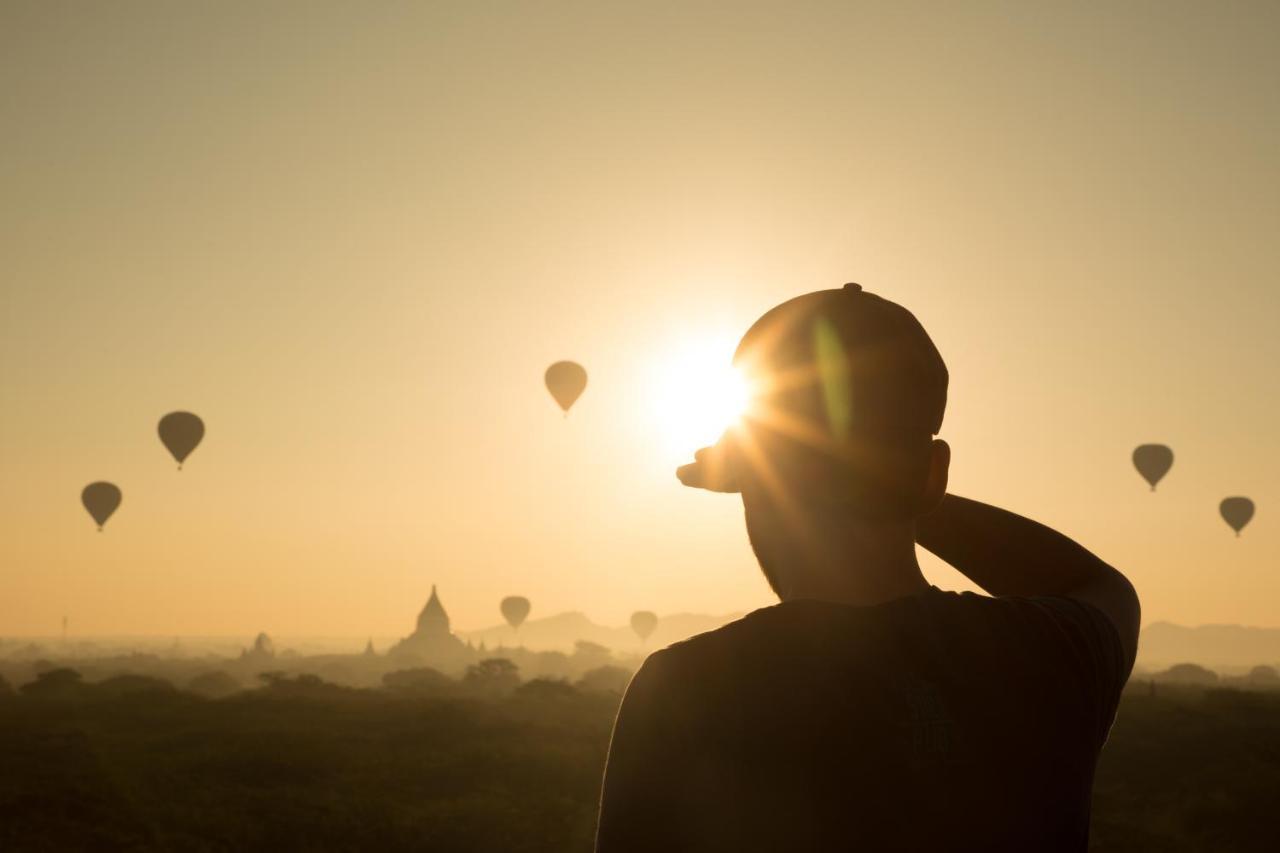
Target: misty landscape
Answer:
pixel 551 427
pixel 475 741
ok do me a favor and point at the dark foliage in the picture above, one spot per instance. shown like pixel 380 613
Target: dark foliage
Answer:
pixel 420 680
pixel 58 683
pixel 492 678
pixel 214 684
pixel 1187 673
pixel 547 690
pixel 1188 769
pixel 301 764
pixel 135 686
pixel 605 679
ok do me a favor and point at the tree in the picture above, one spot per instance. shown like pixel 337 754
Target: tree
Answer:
pixel 60 683
pixel 589 655
pixel 1188 673
pixel 129 686
pixel 492 677
pixel 303 684
pixel 605 679
pixel 546 689
pixel 1264 676
pixel 419 679
pixel 214 684
pixel 274 678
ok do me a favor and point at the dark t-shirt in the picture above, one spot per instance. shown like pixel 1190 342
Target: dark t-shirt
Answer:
pixel 942 721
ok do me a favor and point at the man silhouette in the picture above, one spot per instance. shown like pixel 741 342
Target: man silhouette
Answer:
pixel 869 710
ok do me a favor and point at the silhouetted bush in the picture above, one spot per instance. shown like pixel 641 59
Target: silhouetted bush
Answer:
pixel 1264 676
pixel 1187 673
pixel 214 684
pixel 306 684
pixel 1232 700
pixel 128 685
pixel 605 679
pixel 60 683
pixel 589 655
pixel 546 689
pixel 420 679
pixel 492 677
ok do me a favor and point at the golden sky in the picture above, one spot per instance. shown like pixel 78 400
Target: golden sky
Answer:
pixel 352 236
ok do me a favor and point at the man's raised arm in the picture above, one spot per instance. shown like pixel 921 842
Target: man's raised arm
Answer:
pixel 1006 554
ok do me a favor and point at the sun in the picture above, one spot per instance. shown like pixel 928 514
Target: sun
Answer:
pixel 697 394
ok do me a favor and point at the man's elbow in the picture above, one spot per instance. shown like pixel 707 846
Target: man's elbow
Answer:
pixel 1118 598
pixel 1111 592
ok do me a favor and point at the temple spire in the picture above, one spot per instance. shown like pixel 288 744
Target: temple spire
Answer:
pixel 433 621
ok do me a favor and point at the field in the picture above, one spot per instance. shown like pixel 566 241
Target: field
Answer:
pixel 440 766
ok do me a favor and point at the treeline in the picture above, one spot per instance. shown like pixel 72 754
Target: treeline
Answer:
pixel 492 678
pixel 1262 677
pixel 201 674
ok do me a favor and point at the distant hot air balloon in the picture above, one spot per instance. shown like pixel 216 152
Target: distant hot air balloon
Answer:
pixel 1236 512
pixel 643 622
pixel 101 499
pixel 566 381
pixel 181 433
pixel 514 609
pixel 1153 461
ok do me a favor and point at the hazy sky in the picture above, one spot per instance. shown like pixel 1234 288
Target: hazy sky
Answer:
pixel 351 237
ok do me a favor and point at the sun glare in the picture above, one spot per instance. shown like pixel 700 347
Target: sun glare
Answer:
pixel 697 395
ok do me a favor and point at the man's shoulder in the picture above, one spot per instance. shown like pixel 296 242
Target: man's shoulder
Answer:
pixel 768 625
pixel 694 655
pixel 769 631
pixel 741 630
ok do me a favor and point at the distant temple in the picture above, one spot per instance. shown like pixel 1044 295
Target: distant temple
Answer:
pixel 263 649
pixel 433 643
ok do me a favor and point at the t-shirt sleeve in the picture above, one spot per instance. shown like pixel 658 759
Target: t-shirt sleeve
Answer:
pixel 1092 643
pixel 639 807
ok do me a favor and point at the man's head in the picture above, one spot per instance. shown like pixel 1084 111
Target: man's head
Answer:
pixel 848 392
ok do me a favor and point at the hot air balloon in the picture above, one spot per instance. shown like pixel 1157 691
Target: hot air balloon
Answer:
pixel 181 433
pixel 643 622
pixel 566 381
pixel 101 499
pixel 1153 461
pixel 514 609
pixel 1236 512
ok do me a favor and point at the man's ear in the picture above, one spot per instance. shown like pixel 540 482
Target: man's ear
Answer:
pixel 935 487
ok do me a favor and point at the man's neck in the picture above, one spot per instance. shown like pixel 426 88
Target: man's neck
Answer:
pixel 861 570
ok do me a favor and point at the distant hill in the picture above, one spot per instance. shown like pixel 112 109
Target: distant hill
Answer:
pixel 562 630
pixel 1165 644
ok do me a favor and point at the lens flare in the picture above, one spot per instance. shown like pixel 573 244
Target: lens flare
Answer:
pixel 698 394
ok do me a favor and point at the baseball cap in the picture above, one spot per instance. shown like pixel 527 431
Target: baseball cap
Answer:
pixel 839 378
